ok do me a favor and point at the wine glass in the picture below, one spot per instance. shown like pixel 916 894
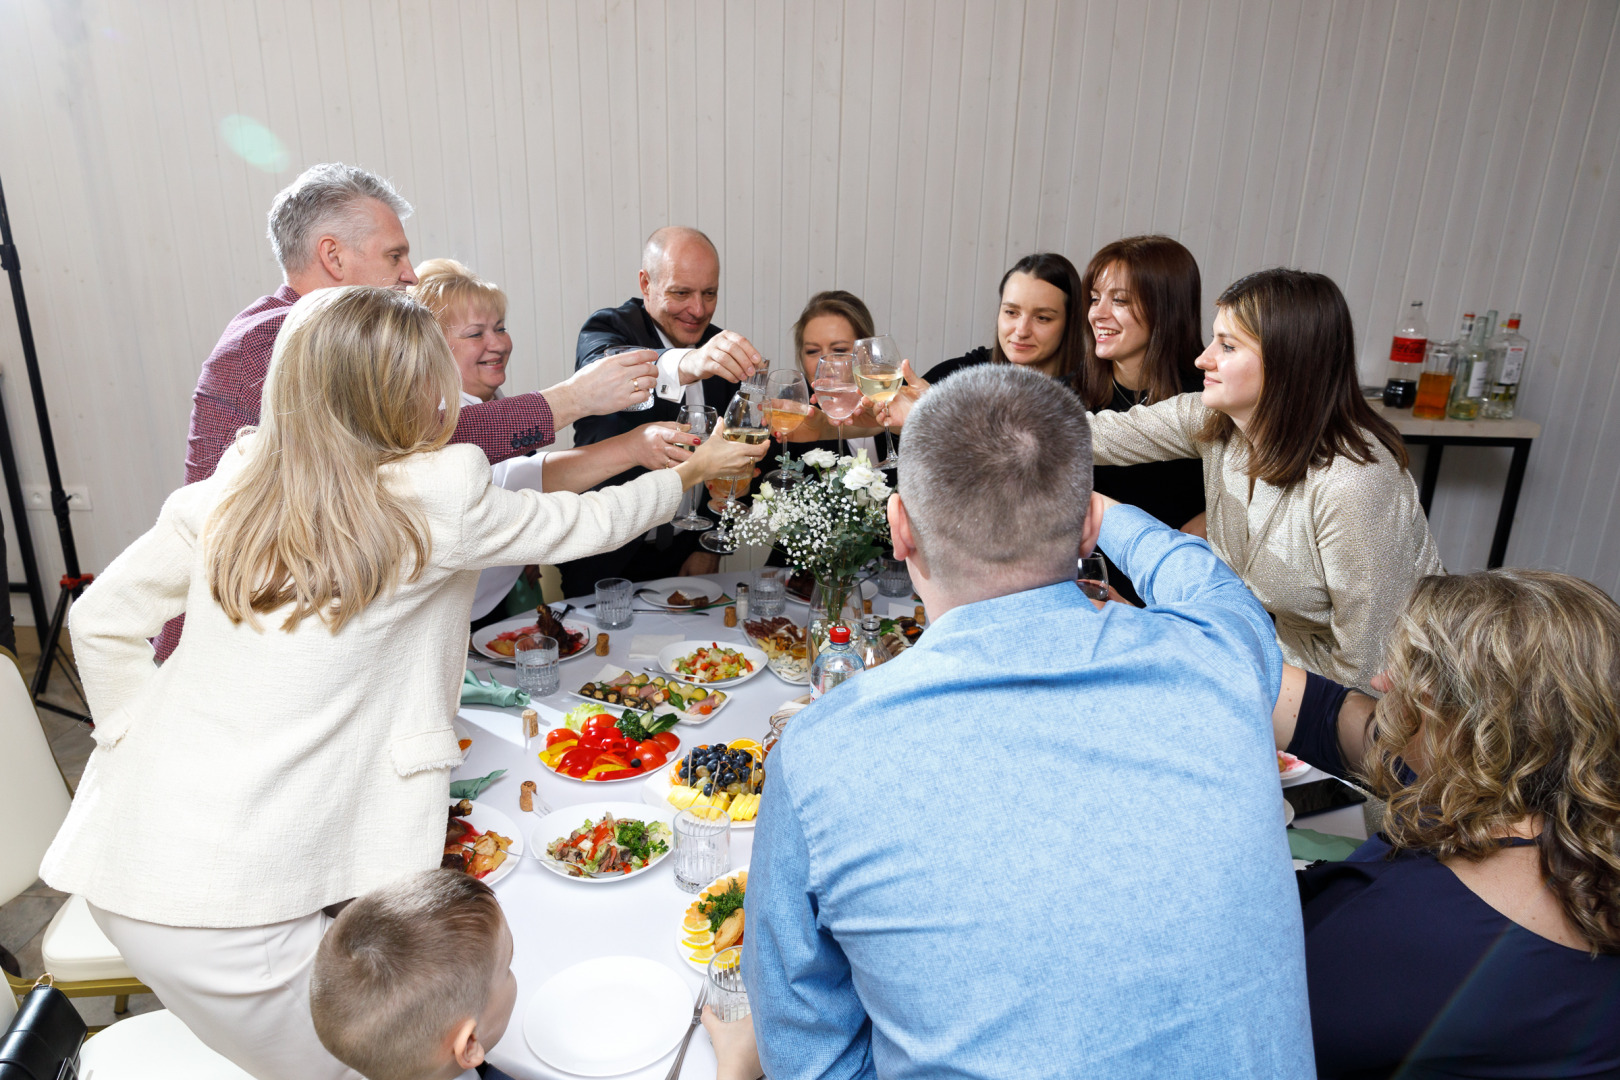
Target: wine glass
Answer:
pixel 787 403
pixel 1093 578
pixel 877 372
pixel 699 420
pixel 745 423
pixel 837 392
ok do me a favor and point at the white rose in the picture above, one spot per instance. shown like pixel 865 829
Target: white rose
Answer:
pixel 821 459
pixel 879 490
pixel 765 490
pixel 861 475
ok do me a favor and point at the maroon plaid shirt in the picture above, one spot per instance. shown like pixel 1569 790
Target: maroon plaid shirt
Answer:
pixel 232 383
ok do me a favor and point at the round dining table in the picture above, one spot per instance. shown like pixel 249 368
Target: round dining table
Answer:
pixel 556 921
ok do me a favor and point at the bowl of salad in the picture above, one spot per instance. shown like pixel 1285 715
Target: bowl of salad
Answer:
pixel 712 663
pixel 601 842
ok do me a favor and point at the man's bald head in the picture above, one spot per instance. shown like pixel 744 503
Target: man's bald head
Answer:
pixel 680 281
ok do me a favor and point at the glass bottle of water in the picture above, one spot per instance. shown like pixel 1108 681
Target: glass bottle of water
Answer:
pixel 836 662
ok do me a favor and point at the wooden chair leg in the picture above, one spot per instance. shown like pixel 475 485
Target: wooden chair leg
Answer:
pixel 120 1004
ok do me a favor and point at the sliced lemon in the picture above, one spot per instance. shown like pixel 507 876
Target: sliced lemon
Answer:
pixel 699 938
pixel 695 922
pixel 703 955
pixel 727 962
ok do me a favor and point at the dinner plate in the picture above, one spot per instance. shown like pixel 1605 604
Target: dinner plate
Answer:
pixel 615 780
pixel 559 823
pixel 463 735
pixel 1288 813
pixel 657 592
pixel 611 672
pixel 684 950
pixel 484 635
pixel 1294 772
pixel 655 792
pixel 607 1016
pixel 486 818
pixel 671 653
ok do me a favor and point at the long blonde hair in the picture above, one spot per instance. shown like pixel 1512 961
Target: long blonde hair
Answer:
pixel 1505 689
pixel 360 377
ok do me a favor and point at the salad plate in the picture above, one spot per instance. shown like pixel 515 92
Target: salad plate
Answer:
pixel 488 819
pixel 559 824
pixel 485 636
pixel 576 1020
pixel 686 654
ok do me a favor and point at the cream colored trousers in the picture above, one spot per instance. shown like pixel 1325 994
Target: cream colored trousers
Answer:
pixel 244 992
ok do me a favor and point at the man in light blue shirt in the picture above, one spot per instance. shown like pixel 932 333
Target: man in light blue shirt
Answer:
pixel 1047 840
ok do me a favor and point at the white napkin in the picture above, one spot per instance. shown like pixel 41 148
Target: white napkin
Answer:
pixel 648 646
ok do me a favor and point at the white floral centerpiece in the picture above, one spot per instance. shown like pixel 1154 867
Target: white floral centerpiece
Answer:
pixel 829 515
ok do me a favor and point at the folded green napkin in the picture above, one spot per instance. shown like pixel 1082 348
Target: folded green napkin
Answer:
pixel 471 789
pixel 475 692
pixel 1310 845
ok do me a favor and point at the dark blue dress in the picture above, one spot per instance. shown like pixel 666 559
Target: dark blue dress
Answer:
pixel 1413 975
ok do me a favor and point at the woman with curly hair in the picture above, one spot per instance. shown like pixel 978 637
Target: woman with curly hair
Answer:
pixel 1479 933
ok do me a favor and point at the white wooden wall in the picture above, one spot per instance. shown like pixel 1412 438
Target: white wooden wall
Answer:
pixel 1458 151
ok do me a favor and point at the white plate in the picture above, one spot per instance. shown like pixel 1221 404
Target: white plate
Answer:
pixel 657 592
pixel 611 672
pixel 559 823
pixel 655 792
pixel 1294 773
pixel 671 653
pixel 462 734
pixel 615 780
pixel 483 636
pixel 485 818
pixel 1288 813
pixel 869 591
pixel 607 1016
pixel 683 950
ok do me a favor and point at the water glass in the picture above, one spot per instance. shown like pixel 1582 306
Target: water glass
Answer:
pixel 768 598
pixel 893 578
pixel 702 847
pixel 727 994
pixel 618 349
pixel 1093 577
pixel 613 597
pixel 537 669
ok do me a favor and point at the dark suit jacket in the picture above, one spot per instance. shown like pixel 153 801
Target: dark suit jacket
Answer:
pixel 629 324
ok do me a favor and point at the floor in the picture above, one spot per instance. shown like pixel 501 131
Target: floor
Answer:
pixel 23 920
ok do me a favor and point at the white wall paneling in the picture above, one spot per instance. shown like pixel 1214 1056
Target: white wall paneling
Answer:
pixel 1455 151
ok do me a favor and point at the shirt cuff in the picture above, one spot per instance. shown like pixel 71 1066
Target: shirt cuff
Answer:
pixel 1122 524
pixel 669 374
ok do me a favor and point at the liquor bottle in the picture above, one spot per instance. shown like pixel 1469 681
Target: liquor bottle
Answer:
pixel 1406 354
pixel 1473 365
pixel 1508 353
pixel 836 662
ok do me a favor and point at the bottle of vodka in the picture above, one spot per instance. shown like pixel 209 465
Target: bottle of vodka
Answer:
pixel 1473 367
pixel 1508 353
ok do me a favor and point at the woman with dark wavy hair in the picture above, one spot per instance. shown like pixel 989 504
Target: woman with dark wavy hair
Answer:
pixel 1306 488
pixel 1479 933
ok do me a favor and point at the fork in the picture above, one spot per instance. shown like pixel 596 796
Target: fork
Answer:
pixel 697 1018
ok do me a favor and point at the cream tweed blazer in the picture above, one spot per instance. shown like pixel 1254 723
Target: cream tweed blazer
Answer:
pixel 260 775
pixel 1333 557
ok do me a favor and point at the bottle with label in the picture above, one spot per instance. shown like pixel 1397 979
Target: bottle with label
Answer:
pixel 1473 365
pixel 836 662
pixel 1508 353
pixel 1406 355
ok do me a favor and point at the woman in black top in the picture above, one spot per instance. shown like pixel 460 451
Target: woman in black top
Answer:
pixel 1479 933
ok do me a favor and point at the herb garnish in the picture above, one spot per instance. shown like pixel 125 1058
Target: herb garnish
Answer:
pixel 639 726
pixel 633 839
pixel 721 905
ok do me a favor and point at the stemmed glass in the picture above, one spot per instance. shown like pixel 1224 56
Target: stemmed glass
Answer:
pixel 787 404
pixel 745 423
pixel 837 392
pixel 699 420
pixel 1092 577
pixel 877 372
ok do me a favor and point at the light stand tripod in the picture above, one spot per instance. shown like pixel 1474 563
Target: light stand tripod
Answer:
pixel 73 582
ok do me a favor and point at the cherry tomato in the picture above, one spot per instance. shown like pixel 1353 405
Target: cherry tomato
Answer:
pixel 651 754
pixel 557 735
pixel 668 740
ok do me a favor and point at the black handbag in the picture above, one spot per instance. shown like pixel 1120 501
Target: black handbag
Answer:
pixel 44 1038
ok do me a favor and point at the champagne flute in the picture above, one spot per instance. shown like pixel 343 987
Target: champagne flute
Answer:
pixel 745 423
pixel 877 372
pixel 837 392
pixel 699 420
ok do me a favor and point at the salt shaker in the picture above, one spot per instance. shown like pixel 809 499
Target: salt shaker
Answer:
pixel 742 601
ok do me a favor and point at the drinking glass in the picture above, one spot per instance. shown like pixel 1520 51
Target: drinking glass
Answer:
pixel 1093 577
pixel 537 668
pixel 893 578
pixel 745 423
pixel 651 390
pixel 768 598
pixel 702 847
pixel 787 402
pixel 727 994
pixel 837 392
pixel 613 596
pixel 877 372
pixel 699 420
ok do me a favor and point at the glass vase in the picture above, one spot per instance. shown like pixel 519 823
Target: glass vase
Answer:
pixel 827 610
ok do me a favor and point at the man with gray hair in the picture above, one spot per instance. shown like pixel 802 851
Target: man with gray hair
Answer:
pixel 1047 839
pixel 341 225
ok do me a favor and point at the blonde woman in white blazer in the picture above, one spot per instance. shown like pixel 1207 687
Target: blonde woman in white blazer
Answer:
pixel 1307 491
pixel 295 750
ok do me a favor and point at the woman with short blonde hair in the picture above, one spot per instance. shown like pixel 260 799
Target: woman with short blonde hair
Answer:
pixel 295 749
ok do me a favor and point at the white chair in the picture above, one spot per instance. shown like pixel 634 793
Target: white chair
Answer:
pixel 152 1046
pixel 75 950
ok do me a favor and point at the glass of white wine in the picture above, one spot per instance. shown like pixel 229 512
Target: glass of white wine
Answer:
pixel 877 372
pixel 745 423
pixel 698 420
